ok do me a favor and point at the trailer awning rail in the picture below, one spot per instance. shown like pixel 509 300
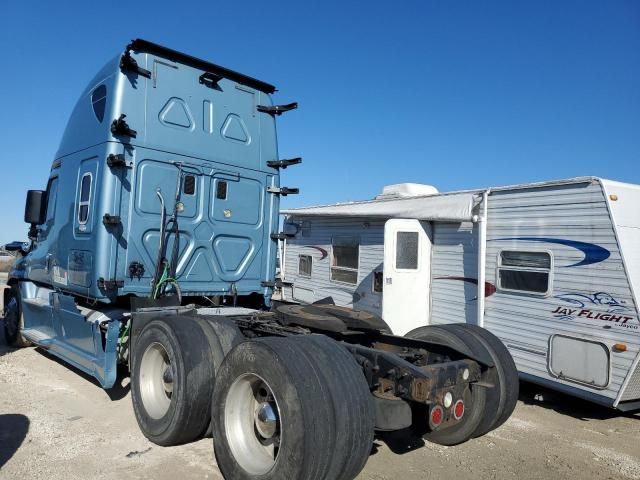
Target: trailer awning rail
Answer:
pixel 459 207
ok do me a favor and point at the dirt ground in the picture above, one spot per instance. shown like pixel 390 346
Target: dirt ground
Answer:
pixel 56 423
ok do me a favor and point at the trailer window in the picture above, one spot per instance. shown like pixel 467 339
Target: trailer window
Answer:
pixel 377 282
pixel 527 272
pixel 407 250
pixel 304 265
pixel 85 199
pixel 345 252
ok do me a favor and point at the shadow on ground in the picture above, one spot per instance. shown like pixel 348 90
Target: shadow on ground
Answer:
pixel 532 394
pixel 13 430
pixel 399 442
pixel 119 390
pixel 404 441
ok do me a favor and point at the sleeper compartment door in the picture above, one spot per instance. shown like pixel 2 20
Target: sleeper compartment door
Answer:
pixel 237 211
pixel 407 274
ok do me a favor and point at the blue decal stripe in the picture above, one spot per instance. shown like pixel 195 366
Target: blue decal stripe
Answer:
pixel 592 253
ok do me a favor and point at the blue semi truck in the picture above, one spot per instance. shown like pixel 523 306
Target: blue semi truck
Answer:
pixel 153 249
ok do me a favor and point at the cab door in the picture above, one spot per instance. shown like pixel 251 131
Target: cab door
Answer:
pixel 407 274
pixel 41 257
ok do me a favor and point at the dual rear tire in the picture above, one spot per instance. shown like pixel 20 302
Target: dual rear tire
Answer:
pixel 489 405
pixel 173 371
pixel 294 408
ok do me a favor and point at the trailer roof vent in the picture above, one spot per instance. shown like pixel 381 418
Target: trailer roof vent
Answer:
pixel 404 190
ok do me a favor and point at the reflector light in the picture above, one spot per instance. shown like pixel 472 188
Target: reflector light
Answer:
pixel 620 347
pixel 437 415
pixel 458 410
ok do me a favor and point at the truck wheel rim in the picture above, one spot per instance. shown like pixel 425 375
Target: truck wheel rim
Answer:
pixel 156 381
pixel 252 424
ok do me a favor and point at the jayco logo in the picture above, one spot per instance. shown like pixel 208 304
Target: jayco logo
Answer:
pixel 616 313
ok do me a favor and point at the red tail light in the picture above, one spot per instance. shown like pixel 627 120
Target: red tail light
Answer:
pixel 437 416
pixel 458 410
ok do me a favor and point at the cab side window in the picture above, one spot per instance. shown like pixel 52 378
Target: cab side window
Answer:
pixel 52 195
pixel 85 198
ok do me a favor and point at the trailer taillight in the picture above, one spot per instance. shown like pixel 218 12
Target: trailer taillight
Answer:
pixel 437 415
pixel 458 410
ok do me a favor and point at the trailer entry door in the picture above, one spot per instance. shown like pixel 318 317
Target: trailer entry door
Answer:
pixel 407 274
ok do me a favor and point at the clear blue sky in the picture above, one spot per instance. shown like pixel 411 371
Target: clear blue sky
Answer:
pixel 457 94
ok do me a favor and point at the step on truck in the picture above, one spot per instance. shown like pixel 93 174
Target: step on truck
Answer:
pixel 152 254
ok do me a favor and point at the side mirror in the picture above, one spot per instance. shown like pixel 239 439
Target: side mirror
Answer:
pixel 35 209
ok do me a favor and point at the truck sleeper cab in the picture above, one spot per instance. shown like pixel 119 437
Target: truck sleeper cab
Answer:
pixel 154 246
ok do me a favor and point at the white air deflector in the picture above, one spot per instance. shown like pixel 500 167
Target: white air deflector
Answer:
pixel 579 360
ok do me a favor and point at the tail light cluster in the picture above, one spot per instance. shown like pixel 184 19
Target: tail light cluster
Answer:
pixel 437 416
pixel 437 412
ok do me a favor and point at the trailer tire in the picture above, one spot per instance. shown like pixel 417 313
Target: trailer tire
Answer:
pixel 171 380
pixel 14 320
pixel 475 398
pixel 318 401
pixel 507 373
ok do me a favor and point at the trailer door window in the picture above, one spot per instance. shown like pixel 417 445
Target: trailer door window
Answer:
pixel 407 244
pixel 527 272
pixel 304 265
pixel 85 199
pixel 345 252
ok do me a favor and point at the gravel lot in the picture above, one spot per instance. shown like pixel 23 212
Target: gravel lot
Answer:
pixel 56 423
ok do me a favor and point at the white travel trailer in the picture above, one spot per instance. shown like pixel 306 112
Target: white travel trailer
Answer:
pixel 551 268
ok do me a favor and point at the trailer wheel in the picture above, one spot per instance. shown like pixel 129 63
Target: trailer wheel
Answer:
pixel 475 399
pixel 295 408
pixel 14 320
pixel 505 374
pixel 171 383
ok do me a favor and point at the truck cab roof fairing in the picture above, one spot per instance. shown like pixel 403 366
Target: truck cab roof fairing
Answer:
pixel 140 45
